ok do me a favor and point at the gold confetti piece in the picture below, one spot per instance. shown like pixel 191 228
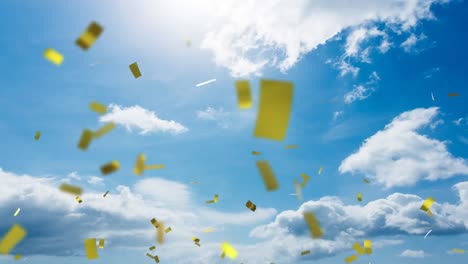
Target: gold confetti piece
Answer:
pixel 12 238
pixel 86 138
pixel 140 164
pixel 156 258
pixel 195 182
pixel 305 252
pixel 195 239
pixel 274 109
pixel 429 213
pixel 453 94
pixel 359 197
pixel 298 190
pixel 97 107
pixel 71 189
pixel 367 247
pixel 269 178
pixel 149 255
pixel 17 256
pixel 154 167
pixel 313 224
pixel 320 170
pixel 110 167
pixel 209 230
pixel 306 179
pixel 256 153
pixel 104 130
pixel 152 248
pixel 17 212
pixel 244 96
pixel 215 200
pixel 160 236
pixel 53 56
pixel 155 222
pixel 351 259
pixel 90 248
pixel 366 180
pixel 38 135
pixel 223 255
pixel 251 206
pixel 358 248
pixel 78 199
pixel 229 250
pixel 291 147
pixel 101 243
pixel 88 37
pixel 106 194
pixel 135 70
pixel 198 244
pixel 427 205
pixel 458 250
pixel 167 230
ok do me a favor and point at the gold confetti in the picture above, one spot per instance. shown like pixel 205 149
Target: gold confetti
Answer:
pixel 305 252
pixel 358 248
pixel 156 258
pixel 366 180
pixel 152 248
pixel 135 70
pixel 17 212
pixel 313 224
pixel 154 167
pixel 90 248
pixel 351 259
pixel 12 238
pixel 71 189
pixel 38 135
pixel 251 206
pixel 160 236
pixel 167 230
pixel 104 130
pixel 195 239
pixel 256 153
pixel 97 107
pixel 367 247
pixel 149 255
pixel 86 138
pixel 359 197
pixel 274 109
pixel 53 56
pixel 291 147
pixel 86 40
pixel 101 243
pixel 155 222
pixel 198 244
pixel 78 199
pixel 427 205
pixel 223 255
pixel 244 95
pixel 140 164
pixel 453 94
pixel 306 179
pixel 110 167
pixel 105 194
pixel 229 250
pixel 215 200
pixel 195 182
pixel 269 178
pixel 209 230
pixel 320 170
pixel 17 256
pixel 458 250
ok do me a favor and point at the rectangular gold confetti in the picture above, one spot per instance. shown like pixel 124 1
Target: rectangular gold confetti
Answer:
pixel 53 56
pixel 208 230
pixel 458 250
pixel 101 243
pixel 85 139
pixel 17 256
pixel 149 255
pixel 256 153
pixel 152 248
pixel 366 180
pixel 229 250
pixel 274 109
pixel 105 194
pixel 223 255
pixel 216 198
pixel 305 252
pixel 358 248
pixel 104 130
pixel 88 37
pixel 306 179
pixel 139 164
pixel 427 205
pixel 78 199
pixel 156 258
pixel 251 206
pixel 12 238
pixel 38 135
pixel 17 212
pixel 72 189
pixel 291 147
pixel 110 167
pixel 195 239
pixel 313 224
pixel 167 230
pixel 453 94
pixel 269 178
pixel 367 247
pixel 359 197
pixel 90 248
pixel 135 70
pixel 160 236
pixel 155 222
pixel 351 259
pixel 98 107
pixel 244 95
pixel 198 244
pixel 154 167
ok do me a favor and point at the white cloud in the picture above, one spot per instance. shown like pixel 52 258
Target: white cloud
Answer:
pixel 337 114
pixel 358 93
pixel 93 180
pixel 413 254
pixel 212 114
pixel 458 121
pixel 226 120
pixel 409 44
pixel 399 156
pixel 245 44
pixel 145 120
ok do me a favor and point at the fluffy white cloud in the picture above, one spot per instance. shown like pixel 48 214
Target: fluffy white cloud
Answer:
pixel 212 114
pixel 399 156
pixel 226 120
pixel 249 35
pixel 93 180
pixel 409 44
pixel 413 254
pixel 145 120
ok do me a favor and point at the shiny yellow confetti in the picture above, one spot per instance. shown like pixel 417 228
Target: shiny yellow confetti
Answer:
pixel 458 250
pixel 17 256
pixel 358 248
pixel 251 206
pixel 256 153
pixel 104 130
pixel 367 247
pixel 307 252
pixel 154 167
pixel 110 167
pixel 101 243
pixel 135 70
pixel 291 147
pixel 160 236
pixel 274 109
pixel 38 135
pixel 17 212
pixel 12 238
pixel 215 200
pixel 53 56
pixel 78 199
pixel 366 180
pixel 72 189
pixel 359 197
pixel 90 248
pixel 229 250
pixel 105 194
pixel 140 164
pixel 208 230
pixel 152 248
pixel 320 170
pixel 88 37
pixel 306 179
pixel 98 107
pixel 313 224
pixel 351 259
pixel 427 205
pixel 198 244
pixel 195 239
pixel 156 258
pixel 269 178
pixel 167 230
pixel 244 95
pixel 155 222
pixel 85 139
pixel 223 255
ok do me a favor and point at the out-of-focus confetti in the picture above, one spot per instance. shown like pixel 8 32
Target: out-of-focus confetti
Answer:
pixel 313 224
pixel 251 206
pixel 196 241
pixel 458 250
pixel 86 40
pixel 101 243
pixel 17 212
pixel 351 259
pixel 167 230
pixel 155 222
pixel 298 190
pixel 358 248
pixel 72 189
pixel 85 139
pixel 104 130
pixel 38 135
pixel 194 182
pixel 366 180
pixel 291 147
pixel 359 197
pixel 188 43
pixel 160 236
pixel 156 258
pixel 98 107
pixel 12 238
pixel 149 256
pixel 256 153
pixel 305 252
pixel 306 179
pixel 244 95
pixel 229 250
pixel 90 248
pixel 215 200
pixel 53 56
pixel 152 248
pixel 274 109
pixel 223 255
pixel 110 167
pixel 427 205
pixel 453 94
pixel 268 176
pixel 135 70
pixel 105 194
pixel 368 247
pixel 140 165
pixel 208 230
pixel 427 233
pixel 154 167
pixel 17 256
pixel 78 199
pixel 205 83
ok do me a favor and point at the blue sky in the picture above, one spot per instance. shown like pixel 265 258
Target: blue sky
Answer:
pixel 363 74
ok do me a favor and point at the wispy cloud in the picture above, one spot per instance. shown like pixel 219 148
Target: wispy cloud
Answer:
pixel 413 254
pixel 410 43
pixel 362 91
pixel 224 119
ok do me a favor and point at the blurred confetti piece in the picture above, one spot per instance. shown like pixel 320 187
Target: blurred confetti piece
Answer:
pixel 306 179
pixel 149 255
pixel 98 107
pixel 274 109
pixel 256 153
pixel 305 252
pixel 188 43
pixel 90 248
pixel 152 248
pixel 110 167
pixel 38 135
pixel 215 200
pixel 223 255
pixel 85 139
pixel 105 194
pixel 12 238
pixel 367 247
pixel 101 243
pixel 251 206
pixel 78 199
pixel 426 206
pixel 139 164
pixel 359 197
pixel 167 230
pixel 313 224
pixel 358 248
pixel 209 230
pixel 160 236
pixel 205 83
pixel 290 147
pixel 17 212
pixel 229 250
pixel 86 40
pixel 351 259
pixel 320 170
pixel 458 250
pixel 53 56
pixel 453 94
pixel 269 178
pixel 135 70
pixel 155 222
pixel 427 233
pixel 104 130
pixel 366 180
pixel 244 95
pixel 195 239
pixel 154 167
pixel 72 189
pixel 17 256
pixel 156 258
pixel 194 182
